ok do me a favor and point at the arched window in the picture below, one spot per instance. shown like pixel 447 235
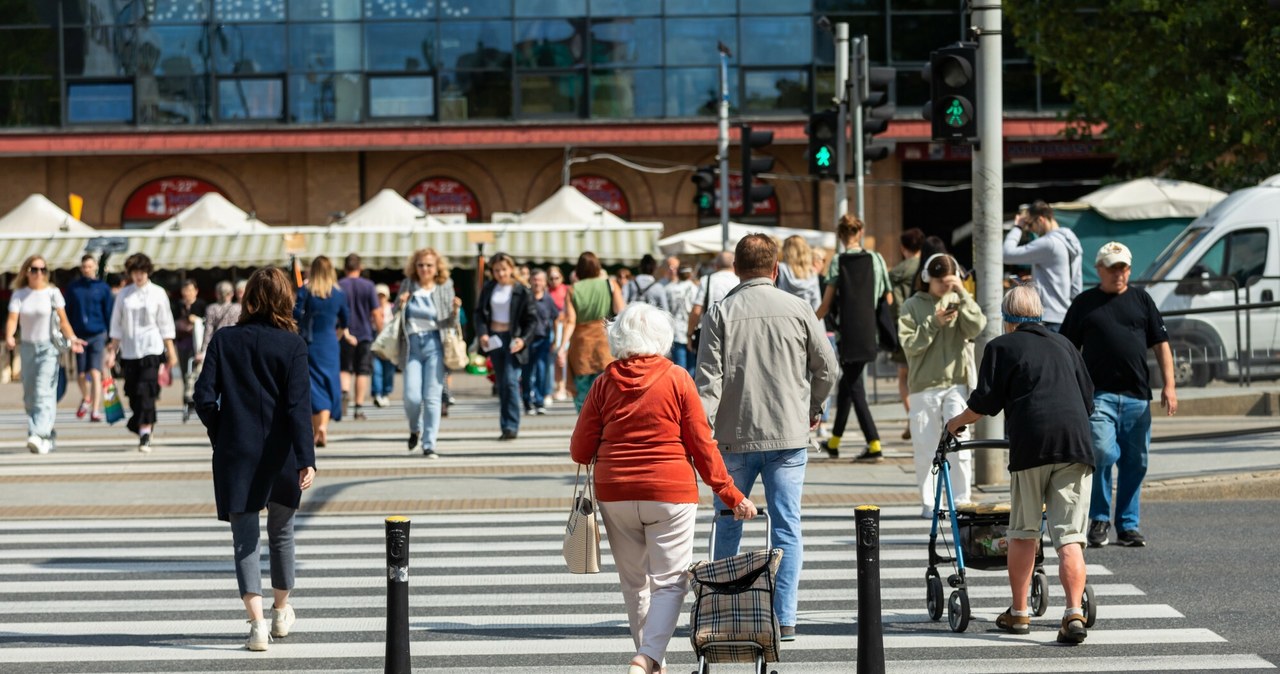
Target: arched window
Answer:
pixel 441 195
pixel 160 199
pixel 604 192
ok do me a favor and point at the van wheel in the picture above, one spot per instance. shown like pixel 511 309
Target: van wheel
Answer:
pixel 1187 373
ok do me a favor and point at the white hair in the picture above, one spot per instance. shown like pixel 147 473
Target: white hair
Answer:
pixel 641 330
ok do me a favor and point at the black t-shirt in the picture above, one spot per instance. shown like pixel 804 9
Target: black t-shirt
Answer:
pixel 1114 332
pixel 1039 379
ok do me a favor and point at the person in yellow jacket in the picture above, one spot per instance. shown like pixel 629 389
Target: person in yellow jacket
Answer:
pixel 933 327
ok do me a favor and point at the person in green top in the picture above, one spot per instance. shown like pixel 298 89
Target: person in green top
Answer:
pixel 585 348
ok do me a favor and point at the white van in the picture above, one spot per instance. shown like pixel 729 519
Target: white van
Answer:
pixel 1229 256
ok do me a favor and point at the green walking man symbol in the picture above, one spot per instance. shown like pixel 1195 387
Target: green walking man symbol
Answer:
pixel 955 113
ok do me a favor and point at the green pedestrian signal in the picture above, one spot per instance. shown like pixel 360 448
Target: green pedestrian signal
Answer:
pixel 704 201
pixel 955 114
pixel 823 156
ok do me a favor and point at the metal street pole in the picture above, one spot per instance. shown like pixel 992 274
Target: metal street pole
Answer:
pixel 722 147
pixel 842 120
pixel 861 89
pixel 988 211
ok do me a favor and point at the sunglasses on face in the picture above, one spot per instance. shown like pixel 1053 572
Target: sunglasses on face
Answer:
pixel 425 265
pixel 37 270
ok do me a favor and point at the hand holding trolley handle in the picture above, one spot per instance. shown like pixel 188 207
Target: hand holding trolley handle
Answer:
pixel 746 510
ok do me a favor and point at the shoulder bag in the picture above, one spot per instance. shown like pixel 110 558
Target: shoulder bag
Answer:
pixel 696 338
pixel 455 348
pixel 388 343
pixel 582 533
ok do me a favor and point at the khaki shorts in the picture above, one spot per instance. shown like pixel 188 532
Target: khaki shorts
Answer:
pixel 1061 492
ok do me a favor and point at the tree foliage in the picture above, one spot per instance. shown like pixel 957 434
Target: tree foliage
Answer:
pixel 1184 89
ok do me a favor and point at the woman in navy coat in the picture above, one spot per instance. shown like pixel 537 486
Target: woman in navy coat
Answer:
pixel 254 398
pixel 321 312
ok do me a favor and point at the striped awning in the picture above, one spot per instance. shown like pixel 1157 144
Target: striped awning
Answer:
pixel 380 248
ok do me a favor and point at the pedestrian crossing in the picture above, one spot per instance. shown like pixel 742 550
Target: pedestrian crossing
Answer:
pixel 489 594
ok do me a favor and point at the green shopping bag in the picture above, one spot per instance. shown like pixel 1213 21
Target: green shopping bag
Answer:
pixel 111 401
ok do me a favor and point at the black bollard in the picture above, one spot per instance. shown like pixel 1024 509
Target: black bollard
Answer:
pixel 870 629
pixel 398 596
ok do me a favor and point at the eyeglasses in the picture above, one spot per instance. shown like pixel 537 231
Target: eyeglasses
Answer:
pixel 425 265
pixel 37 270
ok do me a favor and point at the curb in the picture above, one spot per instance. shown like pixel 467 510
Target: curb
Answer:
pixel 1249 485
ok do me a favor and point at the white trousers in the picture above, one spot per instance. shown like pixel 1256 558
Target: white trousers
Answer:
pixel 930 411
pixel 652 546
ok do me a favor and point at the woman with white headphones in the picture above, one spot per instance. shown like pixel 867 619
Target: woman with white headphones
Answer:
pixel 934 326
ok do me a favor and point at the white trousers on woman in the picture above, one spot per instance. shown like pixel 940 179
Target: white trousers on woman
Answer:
pixel 652 546
pixel 930 411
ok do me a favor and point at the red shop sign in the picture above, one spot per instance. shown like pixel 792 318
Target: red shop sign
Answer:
pixel 163 198
pixel 445 195
pixel 604 192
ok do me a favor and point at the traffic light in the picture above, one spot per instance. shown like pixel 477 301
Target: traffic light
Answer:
pixel 823 133
pixel 953 89
pixel 704 181
pixel 876 111
pixel 751 167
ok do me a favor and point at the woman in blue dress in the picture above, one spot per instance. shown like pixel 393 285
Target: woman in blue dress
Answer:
pixel 321 312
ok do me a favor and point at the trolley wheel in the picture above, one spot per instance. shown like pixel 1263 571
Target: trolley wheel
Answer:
pixel 933 596
pixel 1089 605
pixel 1039 598
pixel 958 611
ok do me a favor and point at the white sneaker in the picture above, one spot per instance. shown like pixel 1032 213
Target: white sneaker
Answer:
pixel 258 640
pixel 39 445
pixel 281 620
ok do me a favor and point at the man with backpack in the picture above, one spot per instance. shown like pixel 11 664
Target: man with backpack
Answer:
pixel 645 287
pixel 1054 256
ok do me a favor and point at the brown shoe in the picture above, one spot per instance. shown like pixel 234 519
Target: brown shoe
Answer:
pixel 1073 630
pixel 1014 624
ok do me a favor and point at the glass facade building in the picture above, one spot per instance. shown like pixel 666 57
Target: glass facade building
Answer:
pixel 75 63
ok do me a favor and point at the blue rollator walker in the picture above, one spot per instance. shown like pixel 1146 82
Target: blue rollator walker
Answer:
pixel 978 537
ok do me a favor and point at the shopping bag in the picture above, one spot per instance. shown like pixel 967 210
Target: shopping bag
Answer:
pixel 455 349
pixel 111 406
pixel 389 342
pixel 164 376
pixel 581 548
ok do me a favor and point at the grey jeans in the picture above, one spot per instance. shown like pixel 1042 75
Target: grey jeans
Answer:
pixel 39 386
pixel 245 534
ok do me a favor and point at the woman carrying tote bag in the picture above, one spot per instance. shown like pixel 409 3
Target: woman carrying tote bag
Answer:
pixel 428 307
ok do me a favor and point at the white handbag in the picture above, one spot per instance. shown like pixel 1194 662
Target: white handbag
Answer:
pixel 390 340
pixel 582 533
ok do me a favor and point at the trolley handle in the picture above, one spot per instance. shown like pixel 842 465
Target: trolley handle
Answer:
pixel 725 512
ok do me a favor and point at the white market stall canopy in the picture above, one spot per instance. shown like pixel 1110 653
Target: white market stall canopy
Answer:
pixel 210 213
pixel 1148 199
pixel 388 210
pixel 37 215
pixel 706 240
pixel 570 206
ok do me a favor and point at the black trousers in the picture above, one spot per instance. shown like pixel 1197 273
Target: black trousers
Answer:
pixel 142 387
pixel 853 392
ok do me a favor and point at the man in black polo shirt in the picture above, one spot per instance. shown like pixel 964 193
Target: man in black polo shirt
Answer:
pixel 1113 325
pixel 1039 380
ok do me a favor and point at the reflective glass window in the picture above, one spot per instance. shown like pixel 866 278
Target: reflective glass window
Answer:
pixel 915 35
pixel 696 91
pixel 551 7
pixel 550 43
pixel 1051 96
pixel 551 94
pixel 100 12
pixel 775 91
pixel 479 44
pixel 99 102
pixel 29 103
pixel 474 9
pixel 172 50
pixel 324 10
pixel 102 51
pixel 625 8
pixel 935 5
pixel 175 11
pixel 475 95
pixel 626 93
pixel 626 42
pixel 251 99
pixel 172 100
pixel 703 7
pixel 399 9
pixel 248 10
pixel 324 46
pixel 693 41
pixel 776 40
pixel 1019 84
pixel 248 48
pixel 399 46
pixel 29 51
pixel 821 6
pixel 402 97
pixel 326 98
pixel 776 7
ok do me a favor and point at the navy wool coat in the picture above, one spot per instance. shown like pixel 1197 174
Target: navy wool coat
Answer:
pixel 254 398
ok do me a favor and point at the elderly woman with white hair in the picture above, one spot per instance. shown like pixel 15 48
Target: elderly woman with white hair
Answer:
pixel 641 423
pixel 219 315
pixel 1038 379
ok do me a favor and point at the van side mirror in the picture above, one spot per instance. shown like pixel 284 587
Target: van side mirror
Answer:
pixel 1198 281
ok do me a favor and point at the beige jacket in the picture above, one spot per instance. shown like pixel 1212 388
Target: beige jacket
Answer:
pixel 936 354
pixel 765 368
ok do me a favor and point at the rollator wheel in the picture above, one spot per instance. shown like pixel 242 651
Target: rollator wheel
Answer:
pixel 1090 607
pixel 933 596
pixel 958 611
pixel 1039 598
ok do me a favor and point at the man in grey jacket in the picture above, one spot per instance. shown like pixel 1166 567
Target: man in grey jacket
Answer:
pixel 765 368
pixel 1054 257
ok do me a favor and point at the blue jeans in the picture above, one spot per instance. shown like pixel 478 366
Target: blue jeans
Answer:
pixel 1121 437
pixel 682 356
pixel 782 472
pixel 507 376
pixel 384 377
pixel 39 386
pixel 535 378
pixel 423 384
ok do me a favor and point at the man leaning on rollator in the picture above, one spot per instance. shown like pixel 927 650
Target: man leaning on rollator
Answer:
pixel 1039 380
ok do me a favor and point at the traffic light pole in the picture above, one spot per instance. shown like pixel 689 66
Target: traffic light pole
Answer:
pixel 858 88
pixel 722 149
pixel 842 123
pixel 988 211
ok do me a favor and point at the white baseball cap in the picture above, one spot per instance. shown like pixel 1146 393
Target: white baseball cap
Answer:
pixel 382 289
pixel 1112 253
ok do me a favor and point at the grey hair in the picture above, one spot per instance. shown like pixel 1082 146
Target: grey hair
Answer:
pixel 1022 301
pixel 641 330
pixel 224 289
pixel 241 284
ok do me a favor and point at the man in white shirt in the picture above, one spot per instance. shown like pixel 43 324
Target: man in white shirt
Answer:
pixel 713 288
pixel 142 332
